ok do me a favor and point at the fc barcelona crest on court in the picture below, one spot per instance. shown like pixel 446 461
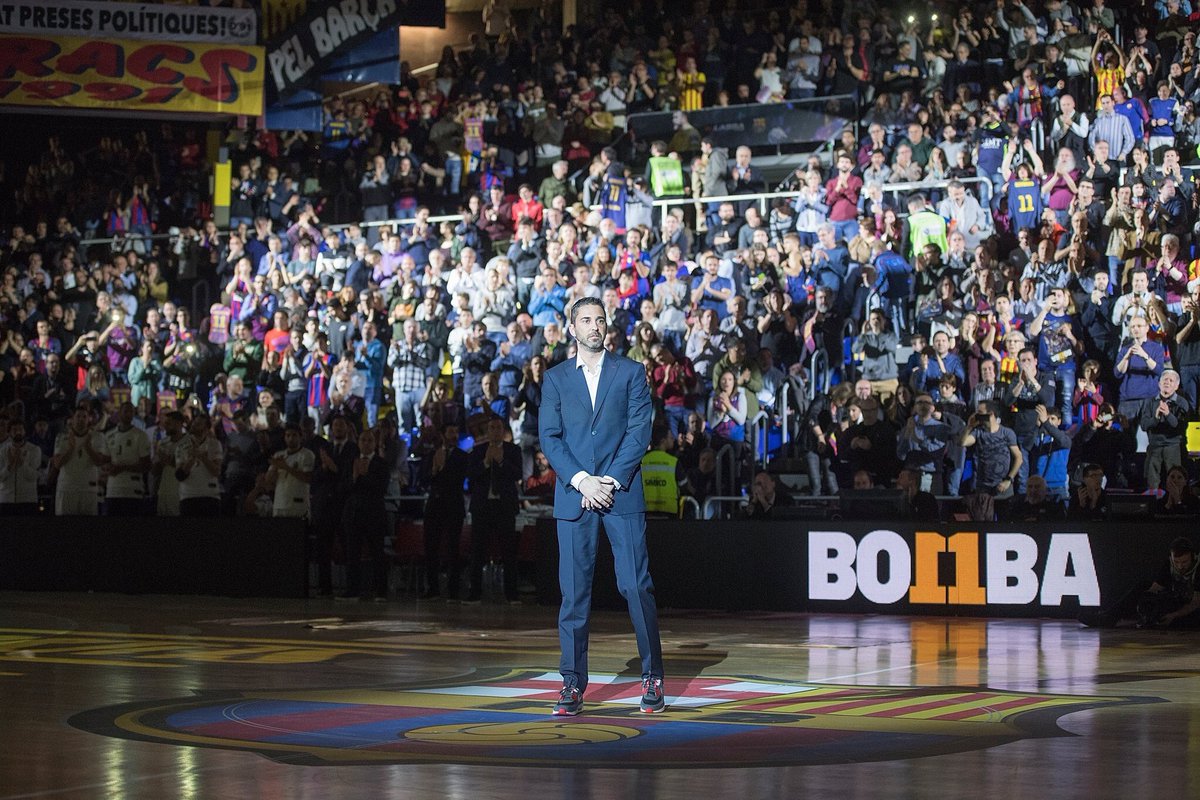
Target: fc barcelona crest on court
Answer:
pixel 503 719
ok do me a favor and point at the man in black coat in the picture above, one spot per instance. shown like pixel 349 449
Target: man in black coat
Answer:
pixel 446 468
pixel 364 522
pixel 330 486
pixel 495 472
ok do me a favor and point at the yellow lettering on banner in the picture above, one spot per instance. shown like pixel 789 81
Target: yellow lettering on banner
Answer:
pixel 131 75
pixel 966 589
pixel 925 588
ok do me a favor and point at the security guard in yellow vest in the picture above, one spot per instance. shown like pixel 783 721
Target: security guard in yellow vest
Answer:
pixel 660 482
pixel 924 226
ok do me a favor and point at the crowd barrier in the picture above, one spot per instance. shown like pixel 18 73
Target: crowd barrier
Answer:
pixel 1062 570
pixel 238 557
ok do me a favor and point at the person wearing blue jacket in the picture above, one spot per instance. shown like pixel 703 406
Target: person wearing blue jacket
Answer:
pixel 594 428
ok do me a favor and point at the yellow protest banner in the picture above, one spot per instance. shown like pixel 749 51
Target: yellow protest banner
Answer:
pixel 222 190
pixel 129 75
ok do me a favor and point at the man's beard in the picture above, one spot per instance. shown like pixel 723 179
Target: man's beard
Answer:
pixel 596 348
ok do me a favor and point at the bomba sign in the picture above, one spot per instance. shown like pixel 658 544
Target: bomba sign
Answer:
pixel 961 569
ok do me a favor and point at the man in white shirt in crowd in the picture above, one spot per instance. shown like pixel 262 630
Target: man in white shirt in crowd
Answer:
pixel 198 468
pixel 79 453
pixel 968 216
pixel 19 464
pixel 1134 303
pixel 129 461
pixel 164 464
pixel 291 471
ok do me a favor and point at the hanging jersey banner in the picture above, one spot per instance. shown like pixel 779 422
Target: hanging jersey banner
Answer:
pixel 220 316
pixel 613 206
pixel 1025 204
pixel 473 134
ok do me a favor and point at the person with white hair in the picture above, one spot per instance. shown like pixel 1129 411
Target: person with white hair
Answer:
pixel 1164 418
pixel 556 184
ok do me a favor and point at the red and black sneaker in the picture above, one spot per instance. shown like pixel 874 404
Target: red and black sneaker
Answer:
pixel 570 701
pixel 653 700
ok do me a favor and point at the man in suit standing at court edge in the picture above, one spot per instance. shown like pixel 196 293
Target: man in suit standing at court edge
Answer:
pixel 495 471
pixel 595 426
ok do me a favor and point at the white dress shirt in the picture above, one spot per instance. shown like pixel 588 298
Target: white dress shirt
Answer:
pixel 592 377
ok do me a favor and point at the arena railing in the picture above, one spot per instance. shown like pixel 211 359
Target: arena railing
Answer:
pixel 687 501
pixel 761 198
pixel 827 504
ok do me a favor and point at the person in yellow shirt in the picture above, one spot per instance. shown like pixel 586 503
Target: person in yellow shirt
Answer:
pixel 690 84
pixel 664 60
pixel 1109 66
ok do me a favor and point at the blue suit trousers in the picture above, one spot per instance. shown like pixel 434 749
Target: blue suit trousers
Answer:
pixel 577 541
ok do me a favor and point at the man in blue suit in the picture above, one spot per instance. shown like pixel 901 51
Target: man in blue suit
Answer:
pixel 594 423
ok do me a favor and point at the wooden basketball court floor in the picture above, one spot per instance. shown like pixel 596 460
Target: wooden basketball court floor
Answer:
pixel 110 696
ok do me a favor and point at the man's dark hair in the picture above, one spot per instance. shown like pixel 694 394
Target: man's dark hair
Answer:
pixel 585 301
pixel 1182 546
pixel 660 435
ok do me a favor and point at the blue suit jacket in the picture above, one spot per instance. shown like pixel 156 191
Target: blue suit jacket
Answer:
pixel 610 440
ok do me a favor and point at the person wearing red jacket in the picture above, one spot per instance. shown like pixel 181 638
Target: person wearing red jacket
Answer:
pixel 528 206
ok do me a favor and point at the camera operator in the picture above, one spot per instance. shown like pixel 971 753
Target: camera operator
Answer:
pixel 1172 599
pixel 997 456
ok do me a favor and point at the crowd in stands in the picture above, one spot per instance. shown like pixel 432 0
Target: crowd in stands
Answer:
pixel 1021 331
